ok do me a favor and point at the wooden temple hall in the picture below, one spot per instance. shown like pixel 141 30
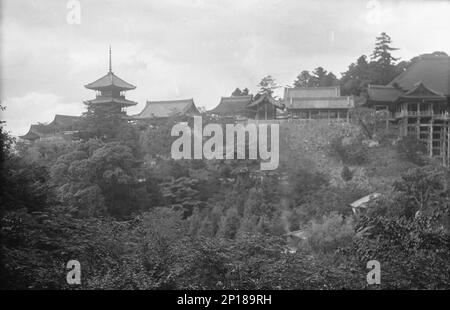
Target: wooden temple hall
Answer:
pixel 418 103
pixel 317 103
pixel 258 107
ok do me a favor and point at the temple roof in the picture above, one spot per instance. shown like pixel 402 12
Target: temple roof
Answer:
pixel 311 92
pixel 31 134
pixel 110 80
pixel 232 105
pixel 64 120
pixel 156 109
pixel 432 71
pixel 107 99
pixel 383 93
pixel 258 99
pixel 60 122
pixel 328 103
pixel 421 90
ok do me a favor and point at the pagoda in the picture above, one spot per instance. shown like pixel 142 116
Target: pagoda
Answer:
pixel 110 91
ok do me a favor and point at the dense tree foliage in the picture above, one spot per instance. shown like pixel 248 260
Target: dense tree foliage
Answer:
pixel 136 219
pixel 318 78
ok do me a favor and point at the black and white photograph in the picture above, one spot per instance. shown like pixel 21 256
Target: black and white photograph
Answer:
pixel 225 150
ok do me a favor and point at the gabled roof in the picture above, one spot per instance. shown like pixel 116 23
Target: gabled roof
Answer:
pixel 110 80
pixel 421 90
pixel 382 93
pixel 263 97
pixel 432 71
pixel 232 105
pixel 311 92
pixel 156 109
pixel 328 103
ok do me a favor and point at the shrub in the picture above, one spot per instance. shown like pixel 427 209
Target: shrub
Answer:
pixel 353 153
pixel 346 174
pixel 329 234
pixel 412 149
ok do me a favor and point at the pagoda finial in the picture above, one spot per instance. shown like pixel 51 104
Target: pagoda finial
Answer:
pixel 110 62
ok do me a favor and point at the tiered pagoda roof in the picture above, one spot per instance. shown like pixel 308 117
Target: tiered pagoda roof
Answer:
pixel 110 81
pixel 110 87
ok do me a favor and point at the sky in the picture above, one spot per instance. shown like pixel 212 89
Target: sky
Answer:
pixel 201 49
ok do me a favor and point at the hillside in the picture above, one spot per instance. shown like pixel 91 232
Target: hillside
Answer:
pixel 310 144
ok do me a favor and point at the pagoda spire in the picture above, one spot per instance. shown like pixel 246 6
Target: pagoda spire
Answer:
pixel 110 62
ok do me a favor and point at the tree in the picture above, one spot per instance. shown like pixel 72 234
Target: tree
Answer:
pixel 239 92
pixel 346 173
pixel 319 73
pixel 382 51
pixel 23 185
pixel 304 79
pixel 420 187
pixel 384 62
pixel 319 78
pixel 267 85
pixel 355 80
pixel 102 121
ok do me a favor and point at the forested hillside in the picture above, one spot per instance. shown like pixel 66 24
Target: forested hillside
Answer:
pixel 135 218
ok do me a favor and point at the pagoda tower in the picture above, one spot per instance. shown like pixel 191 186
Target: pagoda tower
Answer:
pixel 110 91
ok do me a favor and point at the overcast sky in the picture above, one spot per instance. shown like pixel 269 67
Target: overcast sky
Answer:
pixel 201 49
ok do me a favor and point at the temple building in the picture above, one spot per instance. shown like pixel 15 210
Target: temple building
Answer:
pixel 110 90
pixel 418 102
pixel 160 110
pixel 259 107
pixel 62 126
pixel 308 103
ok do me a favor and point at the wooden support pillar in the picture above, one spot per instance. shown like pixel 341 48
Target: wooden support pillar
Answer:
pixel 418 127
pixel 431 139
pixel 448 143
pixel 265 110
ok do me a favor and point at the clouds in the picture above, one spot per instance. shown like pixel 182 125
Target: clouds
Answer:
pixel 38 107
pixel 176 49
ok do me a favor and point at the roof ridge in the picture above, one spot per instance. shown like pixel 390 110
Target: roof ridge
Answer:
pixel 313 87
pixel 380 86
pixel 169 101
pixel 321 98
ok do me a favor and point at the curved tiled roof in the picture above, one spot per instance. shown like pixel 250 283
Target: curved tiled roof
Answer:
pixel 103 100
pixel 421 90
pixel 232 105
pixel 60 122
pixel 110 80
pixel 383 93
pixel 156 109
pixel 432 71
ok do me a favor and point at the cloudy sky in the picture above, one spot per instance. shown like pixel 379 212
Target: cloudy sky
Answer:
pixel 201 49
